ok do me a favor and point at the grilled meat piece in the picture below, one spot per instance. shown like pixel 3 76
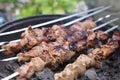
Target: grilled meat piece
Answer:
pixel 27 70
pixel 73 70
pixel 93 37
pixel 116 36
pixel 87 24
pixel 56 31
pixel 101 35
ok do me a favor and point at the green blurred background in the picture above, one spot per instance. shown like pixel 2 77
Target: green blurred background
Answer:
pixel 24 8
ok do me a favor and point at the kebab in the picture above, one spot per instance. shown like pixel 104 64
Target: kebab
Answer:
pixel 72 37
pixel 48 51
pixel 67 42
pixel 36 64
pixel 93 59
pixel 32 37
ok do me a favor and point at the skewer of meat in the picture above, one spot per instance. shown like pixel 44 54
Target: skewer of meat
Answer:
pixel 75 38
pixel 93 59
pixel 67 24
pixel 32 37
pixel 47 46
pixel 36 64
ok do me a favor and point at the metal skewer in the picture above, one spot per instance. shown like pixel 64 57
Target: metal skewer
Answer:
pixel 17 40
pixel 96 28
pixel 17 73
pixel 11 76
pixel 1 43
pixel 2 50
pixel 49 22
pixel 99 19
pixel 9 59
pixel 98 11
pixel 67 17
pixel 105 24
pixel 107 16
pixel 111 29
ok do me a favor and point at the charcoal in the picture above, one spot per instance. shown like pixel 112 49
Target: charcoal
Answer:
pixel 46 74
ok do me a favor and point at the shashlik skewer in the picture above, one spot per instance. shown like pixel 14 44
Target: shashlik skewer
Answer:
pixel 18 40
pixel 59 40
pixel 56 20
pixel 99 19
pixel 25 71
pixel 32 37
pixel 68 47
pixel 13 48
pixel 93 59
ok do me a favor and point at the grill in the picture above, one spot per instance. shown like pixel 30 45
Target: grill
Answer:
pixel 109 70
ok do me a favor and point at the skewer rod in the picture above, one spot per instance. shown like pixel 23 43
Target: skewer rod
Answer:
pixel 49 22
pixel 1 43
pixel 11 76
pixel 63 18
pixel 9 59
pixel 105 24
pixel 98 11
pixel 100 19
pixel 111 29
pixel 2 50
pixel 98 27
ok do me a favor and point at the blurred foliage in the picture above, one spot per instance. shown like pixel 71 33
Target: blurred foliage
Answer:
pixel 47 7
pixel 8 1
pixel 35 7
